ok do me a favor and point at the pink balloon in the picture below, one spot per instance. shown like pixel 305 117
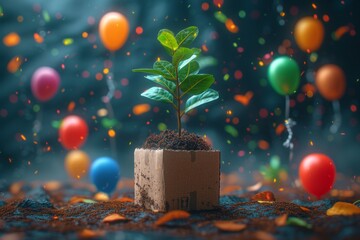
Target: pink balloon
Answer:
pixel 44 83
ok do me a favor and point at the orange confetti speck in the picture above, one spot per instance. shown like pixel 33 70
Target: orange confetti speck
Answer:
pixel 141 109
pixel 313 5
pixel 84 34
pixel 205 6
pixel 23 137
pixel 111 133
pixel 14 64
pixel 99 76
pixel 204 48
pixel 100 196
pixel 263 145
pixel 38 38
pixel 87 233
pixel 55 217
pixel 172 215
pixel 230 25
pixel 244 99
pixel 11 40
pixel 139 30
pixel 71 106
pixel 280 129
pixel 106 71
pixel 263 196
pixel 282 14
pixel 281 220
pixel 326 18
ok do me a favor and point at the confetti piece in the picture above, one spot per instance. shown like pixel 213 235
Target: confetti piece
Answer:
pixel 298 222
pixel 340 32
pixel 263 196
pixel 11 40
pixel 280 129
pixel 14 64
pixel 255 187
pixel 343 208
pixel 141 109
pixel 38 38
pixel 220 16
pixel 218 3
pixel 229 226
pixel 77 199
pixel 46 16
pixel 88 233
pixel 281 220
pixel 52 186
pixel 125 199
pixel 68 41
pixel 263 145
pixel 231 130
pixel 111 133
pixel 112 218
pixel 172 215
pixel 71 106
pixel 139 30
pixel 22 136
pixel 305 209
pixel 100 196
pixel 230 26
pixel 244 99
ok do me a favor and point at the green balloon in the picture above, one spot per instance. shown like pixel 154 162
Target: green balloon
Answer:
pixel 284 75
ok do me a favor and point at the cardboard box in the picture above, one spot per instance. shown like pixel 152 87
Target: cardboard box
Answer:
pixel 170 179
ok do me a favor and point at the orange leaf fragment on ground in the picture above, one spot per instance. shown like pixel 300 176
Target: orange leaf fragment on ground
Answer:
pixel 88 233
pixel 263 196
pixel 114 218
pixel 125 199
pixel 281 220
pixel 229 226
pixel 343 208
pixel 172 215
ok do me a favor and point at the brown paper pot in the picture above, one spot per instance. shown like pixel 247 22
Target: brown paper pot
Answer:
pixel 170 179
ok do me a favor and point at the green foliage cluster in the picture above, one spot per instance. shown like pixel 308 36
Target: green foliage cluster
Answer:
pixel 179 78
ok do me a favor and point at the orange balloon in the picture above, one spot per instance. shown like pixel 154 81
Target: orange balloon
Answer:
pixel 309 34
pixel 77 164
pixel 330 81
pixel 113 30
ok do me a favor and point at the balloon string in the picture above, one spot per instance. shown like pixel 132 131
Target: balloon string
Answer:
pixel 111 90
pixel 289 123
pixel 337 117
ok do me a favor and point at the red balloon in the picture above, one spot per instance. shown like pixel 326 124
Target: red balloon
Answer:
pixel 317 174
pixel 73 132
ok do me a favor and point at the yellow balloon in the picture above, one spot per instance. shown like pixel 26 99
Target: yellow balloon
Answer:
pixel 77 164
pixel 113 30
pixel 309 34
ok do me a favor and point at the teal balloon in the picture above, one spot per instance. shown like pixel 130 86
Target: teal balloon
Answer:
pixel 284 75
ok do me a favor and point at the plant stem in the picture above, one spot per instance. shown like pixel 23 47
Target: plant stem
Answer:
pixel 178 99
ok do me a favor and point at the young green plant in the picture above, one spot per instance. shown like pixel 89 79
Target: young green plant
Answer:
pixel 179 78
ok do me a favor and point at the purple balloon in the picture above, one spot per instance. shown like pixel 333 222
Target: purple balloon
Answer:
pixel 44 83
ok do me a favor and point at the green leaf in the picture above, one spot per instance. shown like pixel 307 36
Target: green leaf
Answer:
pixel 197 100
pixel 170 86
pixel 185 62
pixel 186 36
pixel 167 39
pixel 298 222
pixel 180 55
pixel 158 94
pixel 190 69
pixel 148 70
pixel 166 69
pixel 196 84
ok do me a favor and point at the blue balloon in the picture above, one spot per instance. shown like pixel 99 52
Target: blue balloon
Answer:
pixel 104 174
